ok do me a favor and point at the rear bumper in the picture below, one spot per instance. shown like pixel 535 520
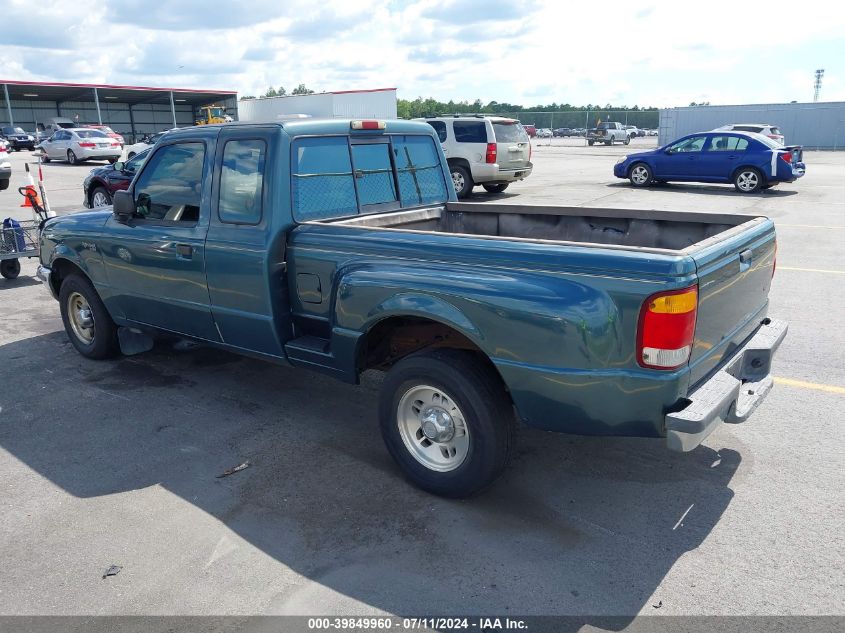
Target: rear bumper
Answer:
pixel 490 173
pixel 732 394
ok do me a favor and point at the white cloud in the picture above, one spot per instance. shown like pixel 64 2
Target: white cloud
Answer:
pixel 525 52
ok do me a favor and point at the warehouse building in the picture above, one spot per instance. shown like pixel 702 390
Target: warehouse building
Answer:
pixel 814 125
pixel 379 103
pixel 128 110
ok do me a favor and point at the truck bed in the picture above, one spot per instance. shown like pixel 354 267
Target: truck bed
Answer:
pixel 660 231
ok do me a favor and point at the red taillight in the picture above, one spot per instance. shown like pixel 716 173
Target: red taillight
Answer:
pixel 666 328
pixel 87 144
pixel 787 156
pixel 491 153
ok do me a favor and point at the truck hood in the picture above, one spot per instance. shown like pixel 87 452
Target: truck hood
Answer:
pixel 78 220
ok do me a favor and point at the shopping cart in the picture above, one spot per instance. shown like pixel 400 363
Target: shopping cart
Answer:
pixel 20 238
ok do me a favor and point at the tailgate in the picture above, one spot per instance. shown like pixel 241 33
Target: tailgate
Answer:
pixel 735 273
pixel 512 144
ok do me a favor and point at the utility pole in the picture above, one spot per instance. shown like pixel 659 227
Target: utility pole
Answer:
pixel 817 85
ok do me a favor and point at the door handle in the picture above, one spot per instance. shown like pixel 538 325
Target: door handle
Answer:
pixel 184 251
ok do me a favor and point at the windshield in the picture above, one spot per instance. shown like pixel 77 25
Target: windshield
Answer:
pixel 65 125
pixel 607 126
pixel 90 134
pixel 13 130
pixel 216 111
pixel 510 132
pixel 765 140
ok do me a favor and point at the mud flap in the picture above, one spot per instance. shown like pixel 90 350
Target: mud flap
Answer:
pixel 133 341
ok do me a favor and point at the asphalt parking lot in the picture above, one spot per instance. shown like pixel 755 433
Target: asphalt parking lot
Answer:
pixel 116 463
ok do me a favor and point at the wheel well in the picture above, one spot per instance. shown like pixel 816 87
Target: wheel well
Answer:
pixel 394 338
pixel 634 164
pixel 61 269
pixel 459 161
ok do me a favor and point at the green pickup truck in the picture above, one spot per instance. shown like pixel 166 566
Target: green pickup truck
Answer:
pixel 338 246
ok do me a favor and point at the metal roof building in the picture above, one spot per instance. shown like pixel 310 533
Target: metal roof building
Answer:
pixel 128 110
pixel 817 125
pixel 379 103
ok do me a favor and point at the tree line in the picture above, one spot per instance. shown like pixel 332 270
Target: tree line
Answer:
pixel 551 115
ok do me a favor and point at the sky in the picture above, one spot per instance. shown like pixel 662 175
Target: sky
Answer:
pixel 527 52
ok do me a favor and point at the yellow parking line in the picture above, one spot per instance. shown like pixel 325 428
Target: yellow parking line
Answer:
pixel 812 270
pixel 790 382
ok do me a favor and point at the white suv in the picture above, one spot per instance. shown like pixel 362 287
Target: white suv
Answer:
pixel 765 129
pixel 483 150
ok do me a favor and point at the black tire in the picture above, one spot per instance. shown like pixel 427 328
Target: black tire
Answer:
pixel 464 178
pixel 609 142
pixel 640 175
pixel 104 343
pixel 590 142
pixel 71 158
pixel 102 191
pixel 485 407
pixel 627 140
pixel 44 157
pixel 10 268
pixel 499 188
pixel 748 180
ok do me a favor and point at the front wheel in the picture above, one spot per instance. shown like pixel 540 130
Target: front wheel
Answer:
pixel 590 143
pixel 748 180
pixel 87 322
pixel 10 268
pixel 447 421
pixel 71 157
pixel 496 188
pixel 100 198
pixel 462 180
pixel 640 175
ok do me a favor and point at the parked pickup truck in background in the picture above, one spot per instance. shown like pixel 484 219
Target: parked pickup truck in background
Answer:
pixel 338 246
pixel 607 133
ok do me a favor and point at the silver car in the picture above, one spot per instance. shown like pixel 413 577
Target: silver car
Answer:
pixel 78 144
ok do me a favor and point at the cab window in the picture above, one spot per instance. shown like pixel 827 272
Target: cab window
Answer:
pixel 170 187
pixel 242 181
pixel 321 181
pixel 418 170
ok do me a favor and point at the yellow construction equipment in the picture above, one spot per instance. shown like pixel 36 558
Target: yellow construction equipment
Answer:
pixel 212 114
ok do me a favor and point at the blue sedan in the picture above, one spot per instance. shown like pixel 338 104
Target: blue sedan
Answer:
pixel 750 161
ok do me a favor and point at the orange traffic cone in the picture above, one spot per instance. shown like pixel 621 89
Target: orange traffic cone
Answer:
pixel 29 195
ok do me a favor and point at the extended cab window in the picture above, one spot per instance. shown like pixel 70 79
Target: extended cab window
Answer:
pixel 322 180
pixel 418 168
pixel 470 131
pixel 242 181
pixel 170 186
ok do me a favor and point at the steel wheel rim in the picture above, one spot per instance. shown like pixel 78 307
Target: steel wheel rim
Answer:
pixel 433 428
pixel 747 181
pixel 100 199
pixel 458 181
pixel 81 318
pixel 640 175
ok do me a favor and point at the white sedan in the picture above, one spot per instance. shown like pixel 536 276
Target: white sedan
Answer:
pixel 79 144
pixel 147 141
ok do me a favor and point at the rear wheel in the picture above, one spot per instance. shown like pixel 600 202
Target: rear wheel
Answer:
pixel 71 157
pixel 87 322
pixel 590 142
pixel 627 140
pixel 45 158
pixel 10 268
pixel 640 175
pixel 447 421
pixel 462 180
pixel 496 188
pixel 609 141
pixel 748 180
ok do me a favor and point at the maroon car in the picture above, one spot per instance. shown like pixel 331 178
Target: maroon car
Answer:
pixel 105 129
pixel 99 186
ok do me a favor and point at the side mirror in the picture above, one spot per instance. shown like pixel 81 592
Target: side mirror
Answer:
pixel 119 165
pixel 123 206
